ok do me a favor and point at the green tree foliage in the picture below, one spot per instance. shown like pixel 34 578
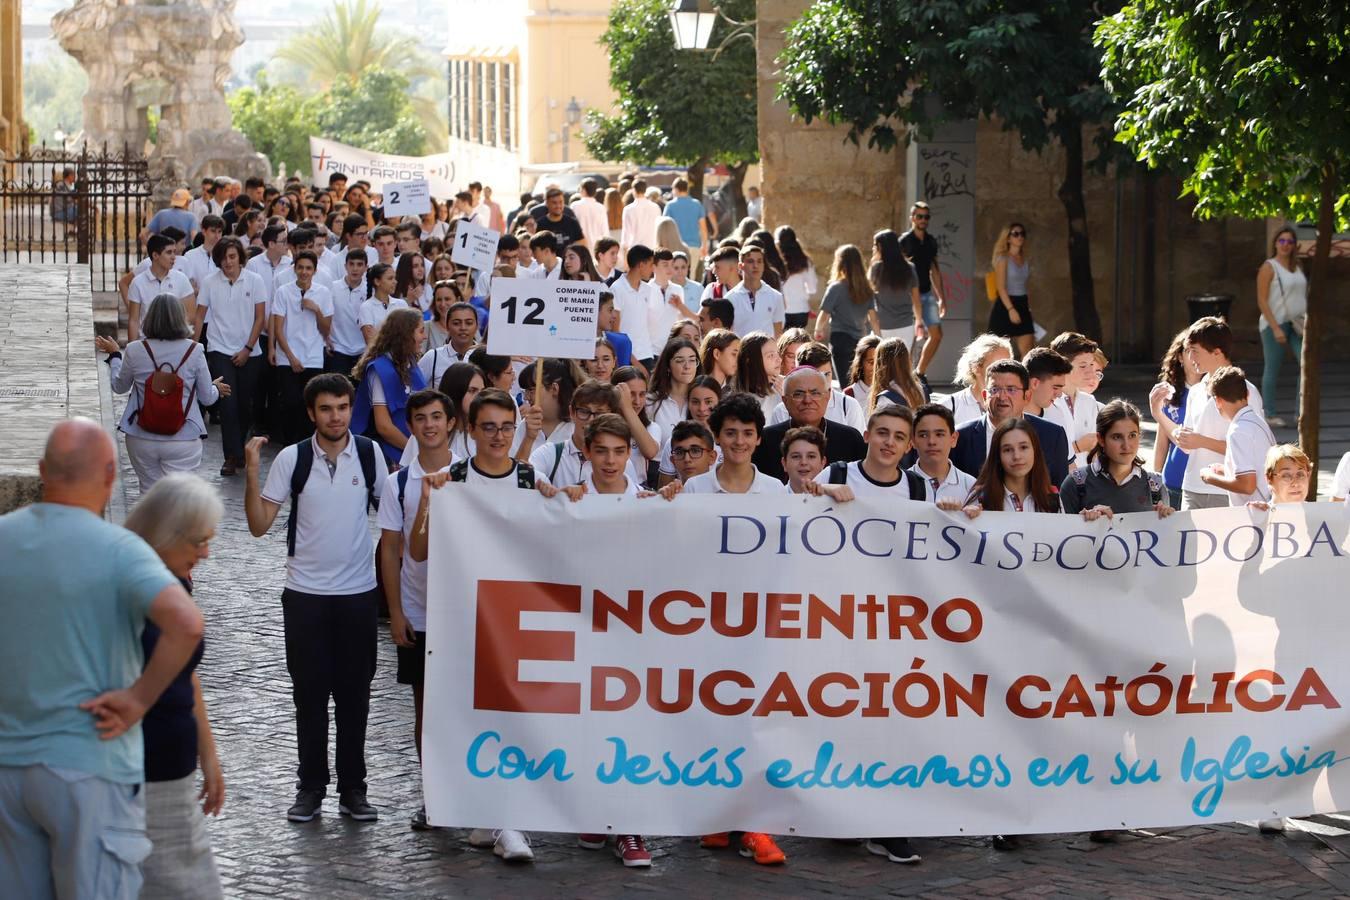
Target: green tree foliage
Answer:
pixel 686 107
pixel 1030 64
pixel 278 120
pixel 1248 103
pixel 53 95
pixel 374 113
pixel 347 43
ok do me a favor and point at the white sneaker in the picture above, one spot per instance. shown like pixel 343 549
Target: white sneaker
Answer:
pixel 1271 826
pixel 482 837
pixel 513 846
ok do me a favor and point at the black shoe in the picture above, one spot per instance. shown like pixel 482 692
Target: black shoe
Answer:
pixel 308 805
pixel 896 849
pixel 353 804
pixel 1007 842
pixel 419 821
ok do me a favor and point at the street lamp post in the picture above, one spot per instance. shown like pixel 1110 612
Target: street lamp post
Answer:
pixel 571 116
pixel 692 22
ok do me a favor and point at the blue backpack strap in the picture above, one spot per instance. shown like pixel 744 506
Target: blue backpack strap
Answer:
pixel 365 451
pixel 839 473
pixel 557 461
pixel 525 476
pixel 402 486
pixel 304 461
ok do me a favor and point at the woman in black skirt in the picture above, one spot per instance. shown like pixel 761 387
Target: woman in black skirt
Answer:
pixel 1011 315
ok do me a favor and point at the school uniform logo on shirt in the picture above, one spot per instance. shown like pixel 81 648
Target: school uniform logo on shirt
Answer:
pixel 356 481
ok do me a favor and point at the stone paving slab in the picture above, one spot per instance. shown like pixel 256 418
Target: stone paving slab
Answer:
pixel 48 370
pixel 262 855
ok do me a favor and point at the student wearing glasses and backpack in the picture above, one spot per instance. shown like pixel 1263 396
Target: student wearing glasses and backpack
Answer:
pixel 166 373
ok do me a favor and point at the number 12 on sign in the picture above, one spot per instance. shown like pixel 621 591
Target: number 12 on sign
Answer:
pixel 541 317
pixel 534 316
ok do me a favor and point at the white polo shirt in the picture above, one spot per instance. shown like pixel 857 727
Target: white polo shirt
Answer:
pixel 434 363
pixel 146 287
pixel 1340 482
pixel 540 272
pixel 300 324
pixel 1249 440
pixel 263 268
pixel 707 483
pixel 956 486
pixel 197 264
pixel 345 335
pixel 231 308
pixel 1203 416
pixel 373 312
pixel 333 263
pixel 634 306
pixel 963 404
pixel 572 466
pixel 662 314
pixel 412 581
pixel 1082 415
pixel 757 311
pixel 334 554
pixel 630 488
pixel 179 265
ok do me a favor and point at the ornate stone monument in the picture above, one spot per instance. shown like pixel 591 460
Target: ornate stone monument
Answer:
pixel 173 56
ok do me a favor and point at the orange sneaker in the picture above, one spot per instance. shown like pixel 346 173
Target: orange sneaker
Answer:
pixel 762 849
pixel 719 841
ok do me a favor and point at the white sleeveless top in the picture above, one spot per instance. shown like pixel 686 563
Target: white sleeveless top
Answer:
pixel 1288 295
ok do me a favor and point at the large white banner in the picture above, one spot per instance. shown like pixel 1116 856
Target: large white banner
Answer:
pixel 798 667
pixel 380 169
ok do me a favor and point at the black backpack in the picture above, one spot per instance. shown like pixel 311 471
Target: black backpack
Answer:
pixel 304 461
pixel 918 488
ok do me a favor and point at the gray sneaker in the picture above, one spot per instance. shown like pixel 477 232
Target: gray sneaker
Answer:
pixel 354 805
pixel 307 806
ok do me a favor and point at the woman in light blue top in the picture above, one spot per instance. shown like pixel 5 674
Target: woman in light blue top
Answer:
pixel 1011 315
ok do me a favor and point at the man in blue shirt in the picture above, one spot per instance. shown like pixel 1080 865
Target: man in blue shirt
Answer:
pixel 689 216
pixel 176 215
pixel 75 593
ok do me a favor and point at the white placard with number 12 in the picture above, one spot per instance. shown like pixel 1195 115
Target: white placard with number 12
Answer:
pixel 540 317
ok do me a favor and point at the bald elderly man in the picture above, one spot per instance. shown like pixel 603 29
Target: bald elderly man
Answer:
pixel 75 592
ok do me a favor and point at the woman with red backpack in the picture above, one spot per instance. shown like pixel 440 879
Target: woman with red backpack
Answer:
pixel 165 372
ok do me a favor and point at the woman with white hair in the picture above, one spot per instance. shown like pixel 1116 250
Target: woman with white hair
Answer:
pixel 164 434
pixel 968 404
pixel 178 518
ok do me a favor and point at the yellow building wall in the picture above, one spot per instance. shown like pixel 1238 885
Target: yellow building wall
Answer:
pixel 11 79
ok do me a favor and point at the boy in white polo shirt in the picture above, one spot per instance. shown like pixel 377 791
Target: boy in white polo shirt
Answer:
pixel 1209 344
pixel 429 421
pixel 330 602
pixel 934 440
pixel 879 473
pixel 161 277
pixel 1247 441
pixel 738 425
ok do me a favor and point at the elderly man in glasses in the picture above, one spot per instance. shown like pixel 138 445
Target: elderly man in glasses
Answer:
pixel 806 395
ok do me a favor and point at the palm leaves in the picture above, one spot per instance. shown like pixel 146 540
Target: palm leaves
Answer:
pixel 347 41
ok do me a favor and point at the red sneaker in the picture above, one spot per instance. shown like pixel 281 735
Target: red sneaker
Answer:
pixel 632 851
pixel 591 841
pixel 719 841
pixel 762 849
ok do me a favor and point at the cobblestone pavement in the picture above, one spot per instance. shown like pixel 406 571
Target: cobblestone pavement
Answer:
pixel 262 855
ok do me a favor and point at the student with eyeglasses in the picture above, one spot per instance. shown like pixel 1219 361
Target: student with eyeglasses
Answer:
pixel 704 395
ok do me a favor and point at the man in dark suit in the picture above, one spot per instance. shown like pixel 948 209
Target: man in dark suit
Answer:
pixel 1006 383
pixel 806 394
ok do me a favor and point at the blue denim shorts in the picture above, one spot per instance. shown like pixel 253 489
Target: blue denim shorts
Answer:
pixel 928 302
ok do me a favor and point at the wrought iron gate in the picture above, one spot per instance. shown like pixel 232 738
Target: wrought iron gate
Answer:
pixel 96 220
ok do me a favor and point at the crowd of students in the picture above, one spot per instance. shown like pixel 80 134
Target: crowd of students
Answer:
pixel 359 348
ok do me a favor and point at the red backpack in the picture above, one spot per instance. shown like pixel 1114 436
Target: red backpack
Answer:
pixel 162 408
